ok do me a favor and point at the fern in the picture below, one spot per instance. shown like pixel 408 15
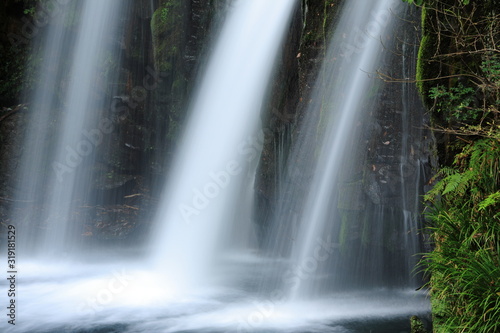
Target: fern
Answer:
pixel 452 183
pixel 491 200
pixel 465 263
pixel 447 171
pixel 439 187
pixel 458 183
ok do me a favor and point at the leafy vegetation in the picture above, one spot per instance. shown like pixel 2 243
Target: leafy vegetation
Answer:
pixel 30 6
pixel 458 67
pixel 465 264
pixel 420 2
pixel 456 102
pixel 458 76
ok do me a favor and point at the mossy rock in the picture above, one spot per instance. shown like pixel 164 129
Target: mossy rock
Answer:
pixel 167 26
pixel 417 326
pixel 427 69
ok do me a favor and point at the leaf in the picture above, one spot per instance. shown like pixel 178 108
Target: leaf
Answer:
pixel 492 199
pixel 418 2
pixel 452 182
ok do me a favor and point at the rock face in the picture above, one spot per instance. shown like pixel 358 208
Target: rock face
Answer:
pixel 12 58
pixel 12 127
pixel 297 68
pixel 180 36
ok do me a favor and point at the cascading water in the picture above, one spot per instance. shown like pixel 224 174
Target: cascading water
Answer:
pixel 357 211
pixel 337 137
pixel 200 274
pixel 51 173
pixel 220 145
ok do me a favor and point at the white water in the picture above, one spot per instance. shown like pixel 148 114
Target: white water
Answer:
pixel 342 108
pixel 218 154
pixel 51 171
pixel 181 288
pixel 126 297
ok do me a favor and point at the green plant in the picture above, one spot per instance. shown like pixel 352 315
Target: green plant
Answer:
pixel 421 2
pixel 30 6
pixel 491 68
pixel 465 264
pixel 169 9
pixel 416 2
pixel 458 76
pixel 164 14
pixel 456 103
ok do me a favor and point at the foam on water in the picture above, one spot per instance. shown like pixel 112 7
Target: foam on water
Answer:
pixel 133 298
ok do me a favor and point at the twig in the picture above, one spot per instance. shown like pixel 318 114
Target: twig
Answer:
pixel 133 195
pixel 11 112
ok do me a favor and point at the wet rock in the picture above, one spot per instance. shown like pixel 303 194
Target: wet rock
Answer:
pixel 417 326
pixel 351 196
pixel 12 128
pixel 114 222
pixel 373 191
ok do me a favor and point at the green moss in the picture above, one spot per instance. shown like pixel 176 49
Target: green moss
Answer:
pixel 421 65
pixel 416 325
pixel 164 66
pixel 427 69
pixel 330 13
pixel 318 21
pixel 423 20
pixel 167 27
pixel 438 310
pixel 178 85
pixel 344 231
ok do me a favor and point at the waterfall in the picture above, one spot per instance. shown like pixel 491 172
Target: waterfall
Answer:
pixel 337 252
pixel 351 234
pixel 68 124
pixel 219 150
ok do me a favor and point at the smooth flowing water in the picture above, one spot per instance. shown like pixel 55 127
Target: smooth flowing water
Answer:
pixel 202 272
pixel 218 155
pixel 344 106
pixel 351 224
pixel 68 124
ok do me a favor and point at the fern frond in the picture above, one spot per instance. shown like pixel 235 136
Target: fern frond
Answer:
pixel 452 183
pixel 491 200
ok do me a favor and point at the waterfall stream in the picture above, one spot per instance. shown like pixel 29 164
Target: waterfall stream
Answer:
pixel 336 258
pixel 60 143
pixel 321 238
pixel 220 147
